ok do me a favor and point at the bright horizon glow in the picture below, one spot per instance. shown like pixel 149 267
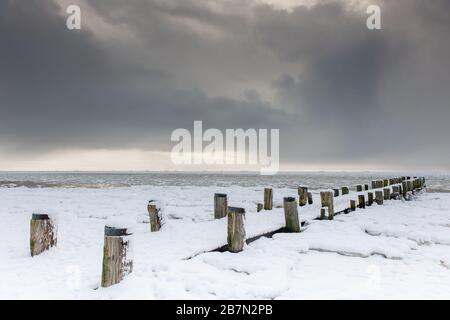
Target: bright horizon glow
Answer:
pixel 136 160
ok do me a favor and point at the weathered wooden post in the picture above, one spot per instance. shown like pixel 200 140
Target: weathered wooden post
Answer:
pixel 387 193
pixel 374 184
pixel 345 190
pixel 395 192
pixel 366 187
pixel 385 182
pixel 220 205
pixel 336 192
pixel 361 201
pixel 370 198
pixel 154 213
pixel 302 196
pixel 404 188
pixel 326 198
pixel 236 229
pixel 42 233
pixel 380 184
pixel 117 262
pixel 291 215
pixel 359 188
pixel 379 197
pixel 259 207
pixel 410 186
pixel 352 205
pixel 268 199
pixel 310 198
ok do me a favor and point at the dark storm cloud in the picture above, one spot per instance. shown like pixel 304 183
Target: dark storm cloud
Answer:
pixel 342 93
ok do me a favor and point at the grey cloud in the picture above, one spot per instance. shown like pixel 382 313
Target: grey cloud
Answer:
pixel 342 93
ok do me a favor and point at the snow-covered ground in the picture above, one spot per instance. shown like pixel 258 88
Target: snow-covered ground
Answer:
pixel 398 250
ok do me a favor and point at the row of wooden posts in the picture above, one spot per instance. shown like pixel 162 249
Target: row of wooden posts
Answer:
pixel 117 262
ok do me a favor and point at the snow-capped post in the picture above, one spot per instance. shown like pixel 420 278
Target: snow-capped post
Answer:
pixel 391 181
pixel 326 198
pixel 404 188
pixel 359 188
pixel 387 193
pixel 117 261
pixel 345 190
pixel 380 184
pixel 379 197
pixel 302 196
pixel 352 205
pixel 268 199
pixel 310 198
pixel 366 187
pixel 220 205
pixel 374 184
pixel 154 213
pixel 370 198
pixel 42 233
pixel 336 192
pixel 291 214
pixel 361 201
pixel 259 207
pixel 385 182
pixel 236 229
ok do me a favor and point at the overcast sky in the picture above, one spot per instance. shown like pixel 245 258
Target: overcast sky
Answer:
pixel 109 95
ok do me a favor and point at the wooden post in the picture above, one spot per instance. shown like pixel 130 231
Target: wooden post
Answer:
pixel 361 201
pixel 310 198
pixel 117 262
pixel 259 207
pixel 410 186
pixel 395 189
pixel 326 198
pixel 370 198
pixel 42 233
pixel 345 190
pixel 220 205
pixel 380 184
pixel 366 187
pixel 379 197
pixel 236 229
pixel 387 193
pixel 352 205
pixel 302 196
pixel 154 215
pixel 268 199
pixel 396 192
pixel 291 215
pixel 374 184
pixel 336 192
pixel 359 188
pixel 385 182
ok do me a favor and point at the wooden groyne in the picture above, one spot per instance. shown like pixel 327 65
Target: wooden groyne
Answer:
pixel 231 228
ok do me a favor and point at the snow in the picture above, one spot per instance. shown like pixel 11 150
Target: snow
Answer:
pixel 398 250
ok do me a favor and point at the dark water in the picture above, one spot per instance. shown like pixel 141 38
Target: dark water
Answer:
pixel 315 180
